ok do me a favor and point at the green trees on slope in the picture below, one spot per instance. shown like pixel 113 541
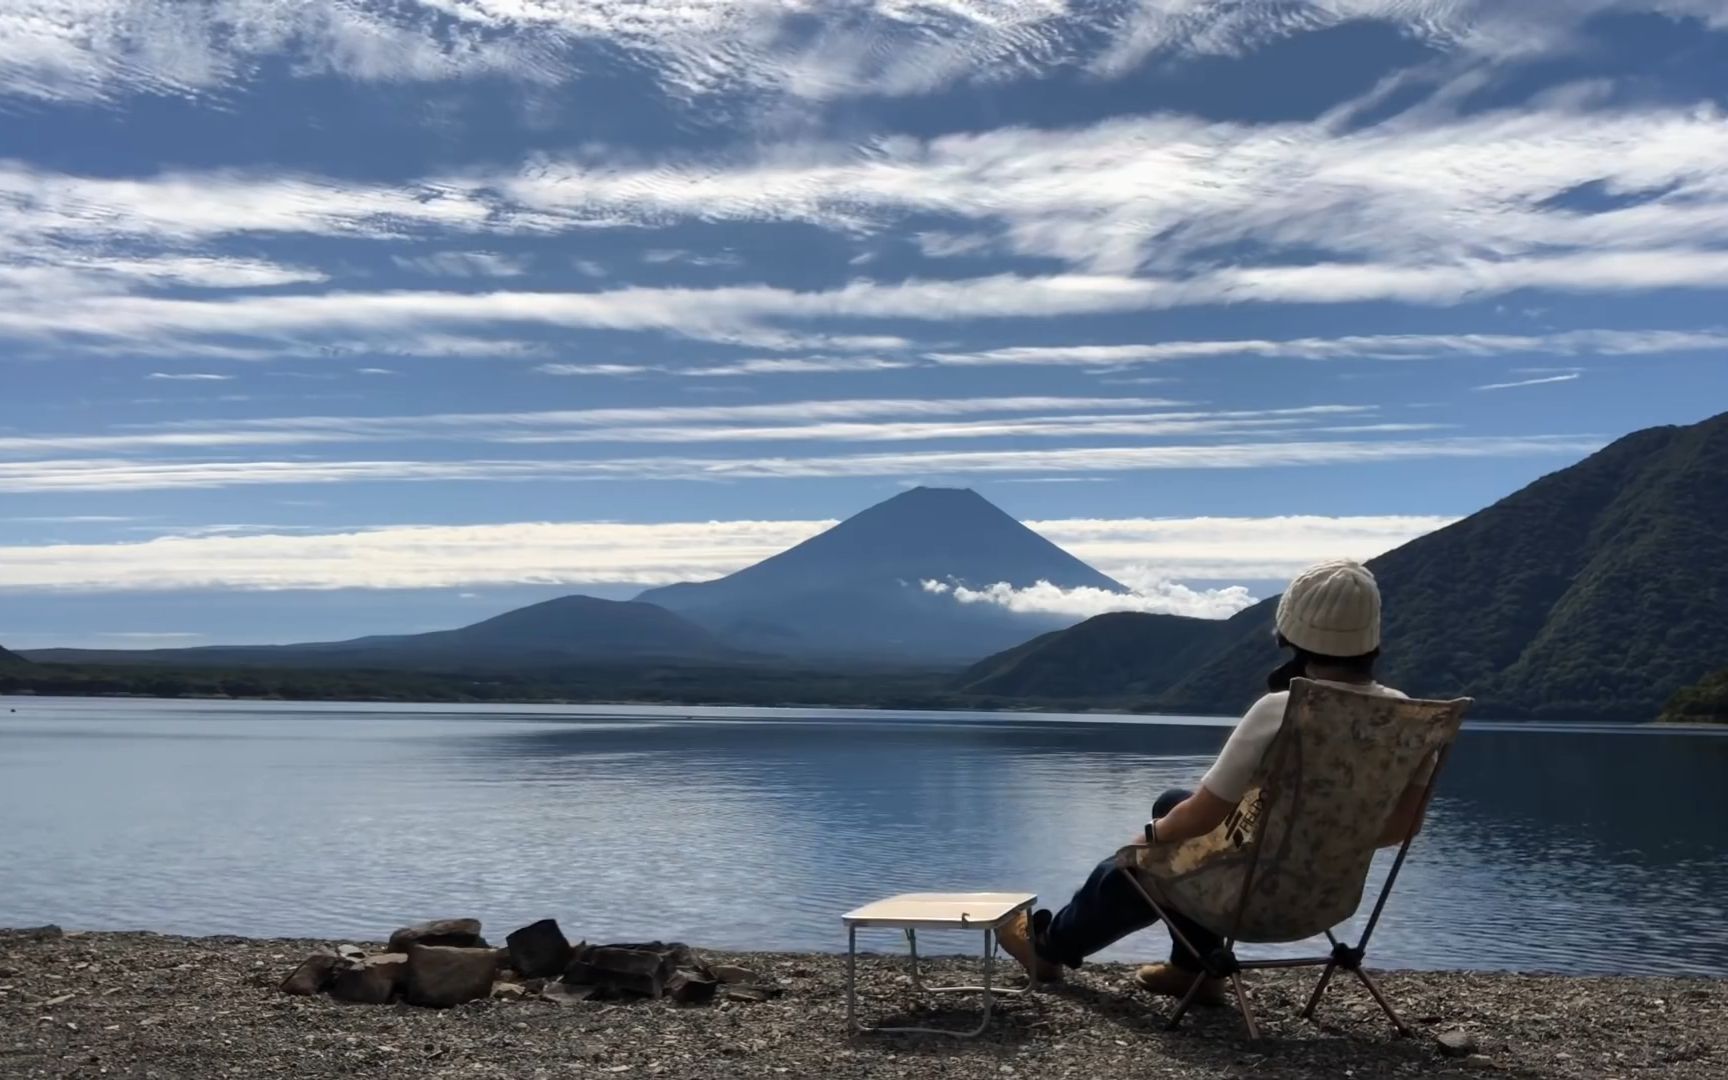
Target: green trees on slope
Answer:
pixel 1596 592
pixel 1704 702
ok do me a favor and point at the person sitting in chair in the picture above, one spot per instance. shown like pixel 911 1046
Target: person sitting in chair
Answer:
pixel 1330 618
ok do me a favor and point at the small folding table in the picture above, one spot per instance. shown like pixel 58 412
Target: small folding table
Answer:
pixel 911 912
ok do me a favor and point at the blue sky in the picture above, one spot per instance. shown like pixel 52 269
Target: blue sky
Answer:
pixel 336 318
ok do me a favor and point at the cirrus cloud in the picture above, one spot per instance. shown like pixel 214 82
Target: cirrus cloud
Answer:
pixel 815 49
pixel 124 474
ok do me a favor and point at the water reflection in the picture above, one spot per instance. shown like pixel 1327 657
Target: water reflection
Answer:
pixel 1562 850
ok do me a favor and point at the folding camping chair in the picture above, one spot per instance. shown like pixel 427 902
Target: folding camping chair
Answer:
pixel 1292 860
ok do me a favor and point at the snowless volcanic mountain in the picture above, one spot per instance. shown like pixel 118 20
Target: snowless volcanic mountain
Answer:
pixel 569 629
pixel 856 591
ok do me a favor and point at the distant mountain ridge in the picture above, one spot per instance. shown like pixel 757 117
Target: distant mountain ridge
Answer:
pixel 856 590
pixel 1134 653
pixel 563 630
pixel 580 625
pixel 856 593
pixel 1596 592
pixel 10 658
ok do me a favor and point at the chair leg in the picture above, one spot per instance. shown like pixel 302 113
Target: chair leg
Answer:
pixel 1242 1003
pixel 1185 1004
pixel 1319 989
pixel 1391 1013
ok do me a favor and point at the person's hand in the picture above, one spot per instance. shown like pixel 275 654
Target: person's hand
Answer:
pixel 1157 831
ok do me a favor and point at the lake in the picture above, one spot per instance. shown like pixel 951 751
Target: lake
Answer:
pixel 1550 847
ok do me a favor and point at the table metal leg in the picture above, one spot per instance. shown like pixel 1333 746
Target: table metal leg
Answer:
pixel 912 946
pixel 989 990
pixel 990 941
pixel 852 979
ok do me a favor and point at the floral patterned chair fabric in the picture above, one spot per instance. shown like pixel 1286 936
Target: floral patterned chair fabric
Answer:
pixel 1292 860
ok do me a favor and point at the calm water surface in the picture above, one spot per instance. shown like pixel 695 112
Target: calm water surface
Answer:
pixel 1579 849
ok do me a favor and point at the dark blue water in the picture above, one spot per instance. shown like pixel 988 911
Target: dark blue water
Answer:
pixel 1549 847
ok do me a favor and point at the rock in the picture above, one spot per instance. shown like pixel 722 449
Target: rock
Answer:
pixel 313 976
pixel 679 954
pixel 749 993
pixel 352 953
pixel 373 981
pixel 539 950
pixel 457 933
pixel 510 991
pixel 637 970
pixel 41 933
pixel 568 993
pixel 732 973
pixel 1457 1043
pixel 440 976
pixel 690 987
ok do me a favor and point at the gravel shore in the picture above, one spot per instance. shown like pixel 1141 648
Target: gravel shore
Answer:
pixel 146 1005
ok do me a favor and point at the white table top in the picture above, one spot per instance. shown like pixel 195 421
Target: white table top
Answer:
pixel 942 911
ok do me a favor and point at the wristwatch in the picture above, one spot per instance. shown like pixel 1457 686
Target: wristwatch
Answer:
pixel 1152 832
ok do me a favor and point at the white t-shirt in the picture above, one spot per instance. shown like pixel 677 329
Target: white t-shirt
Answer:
pixel 1231 774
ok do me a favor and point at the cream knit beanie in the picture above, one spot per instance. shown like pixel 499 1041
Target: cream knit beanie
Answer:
pixel 1332 609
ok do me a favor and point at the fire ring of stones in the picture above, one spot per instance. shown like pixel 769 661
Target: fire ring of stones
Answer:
pixel 446 962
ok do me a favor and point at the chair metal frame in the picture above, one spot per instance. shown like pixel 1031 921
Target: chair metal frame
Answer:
pixel 1223 963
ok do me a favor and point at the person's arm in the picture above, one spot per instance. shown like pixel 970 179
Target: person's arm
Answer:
pixel 1196 815
pixel 1228 778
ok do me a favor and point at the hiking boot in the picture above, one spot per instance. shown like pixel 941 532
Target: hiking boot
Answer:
pixel 1172 981
pixel 1016 940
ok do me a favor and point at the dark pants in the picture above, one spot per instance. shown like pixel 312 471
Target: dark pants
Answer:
pixel 1108 908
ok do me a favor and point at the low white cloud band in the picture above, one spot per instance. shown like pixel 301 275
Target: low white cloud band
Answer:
pixel 1142 553
pixel 1156 596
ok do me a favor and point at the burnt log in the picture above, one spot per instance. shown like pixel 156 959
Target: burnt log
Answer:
pixel 634 969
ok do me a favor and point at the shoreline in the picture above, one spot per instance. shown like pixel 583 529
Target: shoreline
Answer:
pixel 603 702
pixel 920 696
pixel 1011 709
pixel 137 1004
